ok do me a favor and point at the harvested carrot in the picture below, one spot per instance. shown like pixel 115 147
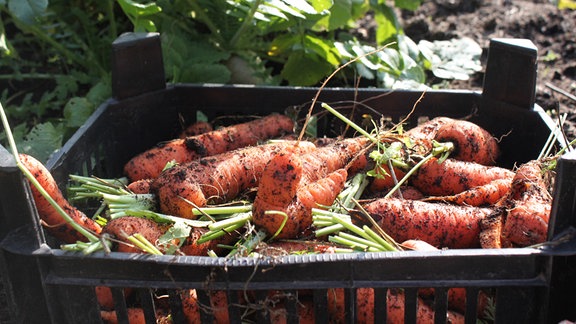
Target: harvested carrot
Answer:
pixel 453 176
pixel 491 231
pixel 418 245
pixel 196 128
pixel 125 226
pixel 385 180
pixel 472 143
pixel 192 247
pixel 439 224
pixel 305 313
pixel 141 186
pixel 484 195
pixel 421 136
pixel 52 220
pixel 149 164
pixel 215 179
pixel 528 206
pixel 135 316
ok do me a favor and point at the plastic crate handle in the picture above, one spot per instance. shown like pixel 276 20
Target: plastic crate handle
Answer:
pixel 137 65
pixel 511 72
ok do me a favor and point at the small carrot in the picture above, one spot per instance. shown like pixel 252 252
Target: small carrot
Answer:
pixel 484 195
pixel 149 164
pixel 122 227
pixel 52 220
pixel 529 206
pixel 215 179
pixel 439 224
pixel 451 176
pixel 141 186
pixel 196 128
pixel 472 143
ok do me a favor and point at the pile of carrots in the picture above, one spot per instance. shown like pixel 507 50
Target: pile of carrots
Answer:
pixel 456 199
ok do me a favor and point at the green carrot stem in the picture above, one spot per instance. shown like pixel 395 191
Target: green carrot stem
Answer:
pixel 248 246
pixel 222 210
pixel 239 219
pixel 352 228
pixel 329 230
pixel 213 234
pixel 271 212
pixel 354 238
pixel 143 244
pixel 354 245
pixel 349 122
pixel 377 238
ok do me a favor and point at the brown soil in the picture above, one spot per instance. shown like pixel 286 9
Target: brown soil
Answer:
pixel 552 30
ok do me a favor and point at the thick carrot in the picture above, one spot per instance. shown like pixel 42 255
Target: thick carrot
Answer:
pixel 484 195
pixel 472 143
pixel 149 164
pixel 196 128
pixel 421 136
pixel 528 206
pixel 491 231
pixel 215 179
pixel 296 214
pixel 52 220
pixel 439 224
pixel 453 176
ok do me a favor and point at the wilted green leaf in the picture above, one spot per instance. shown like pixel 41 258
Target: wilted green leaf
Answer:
pixel 76 111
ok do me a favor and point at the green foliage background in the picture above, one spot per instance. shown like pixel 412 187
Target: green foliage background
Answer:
pixel 55 54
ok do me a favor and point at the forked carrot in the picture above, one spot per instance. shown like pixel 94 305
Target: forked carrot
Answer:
pixel 215 179
pixel 149 164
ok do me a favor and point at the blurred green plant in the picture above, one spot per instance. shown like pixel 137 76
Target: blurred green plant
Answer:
pixel 55 54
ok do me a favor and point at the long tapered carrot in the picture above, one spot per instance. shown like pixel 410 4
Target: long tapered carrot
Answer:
pixel 451 176
pixel 484 195
pixel 150 163
pixel 53 221
pixel 215 179
pixel 439 224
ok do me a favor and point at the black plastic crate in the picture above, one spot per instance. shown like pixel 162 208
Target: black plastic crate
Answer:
pixel 42 283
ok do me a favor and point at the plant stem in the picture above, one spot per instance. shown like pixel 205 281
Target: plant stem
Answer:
pixel 247 21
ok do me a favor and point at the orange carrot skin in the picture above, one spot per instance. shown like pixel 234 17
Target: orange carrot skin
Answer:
pixel 149 164
pixel 196 128
pixel 215 179
pixel 484 195
pixel 528 208
pixel 441 225
pixel 192 247
pixel 472 143
pixel 140 186
pixel 453 176
pixel 54 223
pixel 130 225
pixel 421 136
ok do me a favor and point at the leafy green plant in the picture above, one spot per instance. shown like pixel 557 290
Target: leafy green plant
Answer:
pixel 54 66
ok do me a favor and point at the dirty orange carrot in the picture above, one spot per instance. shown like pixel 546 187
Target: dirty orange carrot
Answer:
pixel 215 179
pixel 305 313
pixel 51 219
pixel 149 164
pixel 386 180
pixel 439 224
pixel 196 128
pixel 421 136
pixel 125 226
pixel 472 143
pixel 192 247
pixel 296 215
pixel 491 231
pixel 140 186
pixel 135 316
pixel 528 207
pixel 484 195
pixel 453 176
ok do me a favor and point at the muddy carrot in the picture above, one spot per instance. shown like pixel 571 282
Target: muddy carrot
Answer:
pixel 453 176
pixel 215 179
pixel 149 164
pixel 484 195
pixel 439 224
pixel 472 143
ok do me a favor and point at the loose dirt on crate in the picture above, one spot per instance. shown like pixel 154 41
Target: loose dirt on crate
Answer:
pixel 552 30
